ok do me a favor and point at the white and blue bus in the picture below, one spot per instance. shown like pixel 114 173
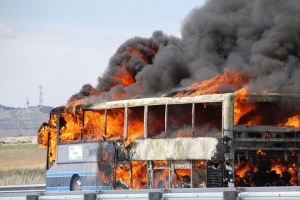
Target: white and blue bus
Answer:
pixel 172 142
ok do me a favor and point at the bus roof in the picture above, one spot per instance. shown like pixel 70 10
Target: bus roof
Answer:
pixel 208 98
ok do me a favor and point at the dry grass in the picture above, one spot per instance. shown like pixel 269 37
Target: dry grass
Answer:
pixel 22 164
pixel 27 156
pixel 22 177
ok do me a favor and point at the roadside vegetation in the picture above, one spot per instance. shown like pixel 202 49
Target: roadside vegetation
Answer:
pixel 22 164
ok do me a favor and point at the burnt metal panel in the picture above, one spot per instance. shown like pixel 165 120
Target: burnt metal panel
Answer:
pixel 271 97
pixel 202 148
pixel 266 137
pixel 157 101
pixel 214 174
pixel 265 129
pixel 121 151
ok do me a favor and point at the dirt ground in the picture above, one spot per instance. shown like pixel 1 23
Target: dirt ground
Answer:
pixel 18 140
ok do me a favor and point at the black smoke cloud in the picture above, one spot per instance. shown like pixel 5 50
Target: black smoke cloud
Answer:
pixel 160 71
pixel 262 37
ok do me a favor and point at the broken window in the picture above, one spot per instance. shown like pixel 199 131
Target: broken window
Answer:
pixel 156 121
pixel 135 129
pixel 161 174
pixel 94 125
pixel 114 124
pixel 199 174
pixel 208 120
pixel 179 121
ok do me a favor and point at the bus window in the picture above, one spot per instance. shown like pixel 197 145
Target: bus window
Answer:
pixel 161 174
pixel 179 121
pixel 182 174
pixel 139 174
pixel 257 113
pixel 199 174
pixel 114 124
pixel 70 127
pixel 131 175
pixel 156 121
pixel 94 125
pixel 135 123
pixel 122 175
pixel 208 120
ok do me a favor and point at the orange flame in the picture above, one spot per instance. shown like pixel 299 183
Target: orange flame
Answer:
pixel 230 80
pixel 135 52
pixel 242 168
pixel 103 177
pixel 122 173
pixel 70 130
pixel 292 121
pixel 135 123
pixel 179 174
pixel 115 124
pixel 94 127
pixel 73 102
pixel 139 174
pixel 261 152
pixel 125 77
pixel 161 174
pixel 47 135
pixel 279 166
pixel 242 107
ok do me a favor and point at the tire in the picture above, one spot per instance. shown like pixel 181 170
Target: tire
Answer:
pixel 76 184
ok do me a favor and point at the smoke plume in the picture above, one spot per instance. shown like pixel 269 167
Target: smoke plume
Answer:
pixel 262 37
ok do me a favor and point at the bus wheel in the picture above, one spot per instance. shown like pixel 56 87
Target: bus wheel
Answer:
pixel 76 184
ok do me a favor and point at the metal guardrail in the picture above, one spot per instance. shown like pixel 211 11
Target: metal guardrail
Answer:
pixel 37 192
pixel 39 187
pixel 20 192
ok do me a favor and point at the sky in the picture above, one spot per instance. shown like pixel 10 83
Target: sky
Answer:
pixel 61 45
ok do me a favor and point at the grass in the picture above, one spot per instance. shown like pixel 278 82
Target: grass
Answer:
pixel 22 164
pixel 22 177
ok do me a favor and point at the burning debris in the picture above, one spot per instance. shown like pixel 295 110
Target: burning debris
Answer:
pixel 266 168
pixel 239 47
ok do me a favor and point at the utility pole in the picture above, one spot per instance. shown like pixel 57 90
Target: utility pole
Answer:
pixel 41 96
pixel 27 103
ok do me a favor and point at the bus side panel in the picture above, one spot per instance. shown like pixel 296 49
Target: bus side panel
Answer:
pixel 78 159
pixel 52 179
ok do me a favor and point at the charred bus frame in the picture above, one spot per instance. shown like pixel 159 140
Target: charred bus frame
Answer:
pixel 221 153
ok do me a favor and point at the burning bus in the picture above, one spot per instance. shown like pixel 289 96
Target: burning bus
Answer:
pixel 236 129
pixel 211 140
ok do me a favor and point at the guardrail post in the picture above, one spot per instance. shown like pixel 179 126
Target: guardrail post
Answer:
pixel 91 196
pixel 155 195
pixel 32 197
pixel 230 195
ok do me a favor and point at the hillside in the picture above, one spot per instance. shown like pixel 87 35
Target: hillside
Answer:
pixel 22 121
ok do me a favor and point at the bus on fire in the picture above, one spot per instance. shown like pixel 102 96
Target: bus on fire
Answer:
pixel 173 142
